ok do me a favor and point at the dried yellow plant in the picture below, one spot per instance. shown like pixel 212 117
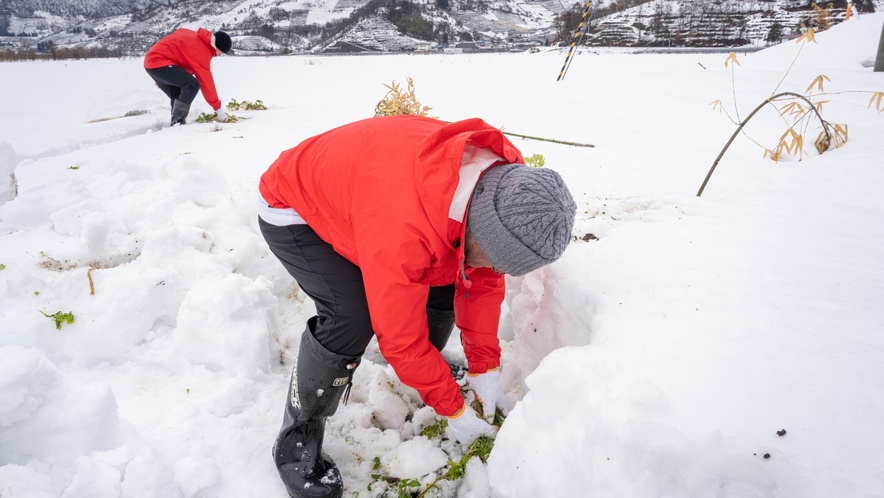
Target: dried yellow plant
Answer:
pixel 790 143
pixel 878 100
pixel 774 154
pixel 732 57
pixel 837 132
pixel 792 108
pixel 807 36
pixel 398 102
pixel 822 17
pixel 818 83
pixel 840 134
pixel 797 111
pixel 796 142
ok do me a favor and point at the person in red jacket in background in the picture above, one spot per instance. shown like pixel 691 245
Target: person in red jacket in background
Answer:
pixel 180 64
pixel 401 227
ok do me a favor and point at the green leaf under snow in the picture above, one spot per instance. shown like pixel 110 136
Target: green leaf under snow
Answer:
pixel 60 318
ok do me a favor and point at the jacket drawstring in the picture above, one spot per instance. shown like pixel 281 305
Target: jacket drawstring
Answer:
pixel 466 280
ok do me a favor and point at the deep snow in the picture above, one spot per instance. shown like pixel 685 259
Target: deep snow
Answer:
pixel 660 359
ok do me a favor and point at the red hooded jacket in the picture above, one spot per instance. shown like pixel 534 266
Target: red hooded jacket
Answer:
pixel 191 51
pixel 391 194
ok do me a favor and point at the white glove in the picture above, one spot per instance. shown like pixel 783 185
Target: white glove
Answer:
pixel 465 426
pixel 221 115
pixel 486 386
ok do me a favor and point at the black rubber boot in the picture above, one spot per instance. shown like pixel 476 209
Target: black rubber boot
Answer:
pixel 440 323
pixel 179 112
pixel 319 380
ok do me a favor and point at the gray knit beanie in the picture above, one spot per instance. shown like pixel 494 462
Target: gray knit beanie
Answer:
pixel 521 217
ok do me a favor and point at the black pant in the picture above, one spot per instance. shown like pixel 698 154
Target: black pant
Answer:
pixel 335 285
pixel 175 82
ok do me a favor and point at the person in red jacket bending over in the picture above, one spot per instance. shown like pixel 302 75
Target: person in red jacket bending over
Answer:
pixel 401 227
pixel 180 64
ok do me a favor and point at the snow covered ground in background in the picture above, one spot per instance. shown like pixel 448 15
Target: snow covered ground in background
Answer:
pixel 659 359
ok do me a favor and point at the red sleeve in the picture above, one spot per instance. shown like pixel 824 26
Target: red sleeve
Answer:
pixel 477 312
pixel 207 85
pixel 392 267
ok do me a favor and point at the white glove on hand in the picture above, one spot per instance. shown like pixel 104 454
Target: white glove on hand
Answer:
pixel 221 115
pixel 486 386
pixel 465 426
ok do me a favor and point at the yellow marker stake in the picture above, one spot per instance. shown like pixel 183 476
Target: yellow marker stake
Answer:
pixel 578 33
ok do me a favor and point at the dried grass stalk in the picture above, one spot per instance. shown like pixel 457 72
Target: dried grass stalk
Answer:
pixel 397 102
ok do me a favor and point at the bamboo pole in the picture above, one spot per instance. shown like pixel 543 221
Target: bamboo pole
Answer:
pixel 575 39
pixel 529 137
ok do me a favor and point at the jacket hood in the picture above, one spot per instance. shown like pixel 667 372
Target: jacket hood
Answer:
pixel 205 36
pixel 453 146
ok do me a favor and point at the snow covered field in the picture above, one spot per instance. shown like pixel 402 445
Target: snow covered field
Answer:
pixel 658 358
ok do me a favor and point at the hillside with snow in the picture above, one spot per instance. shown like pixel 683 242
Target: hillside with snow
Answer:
pixel 725 345
pixel 129 27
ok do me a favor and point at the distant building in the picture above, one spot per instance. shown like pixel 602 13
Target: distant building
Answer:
pixel 342 47
pixel 467 46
